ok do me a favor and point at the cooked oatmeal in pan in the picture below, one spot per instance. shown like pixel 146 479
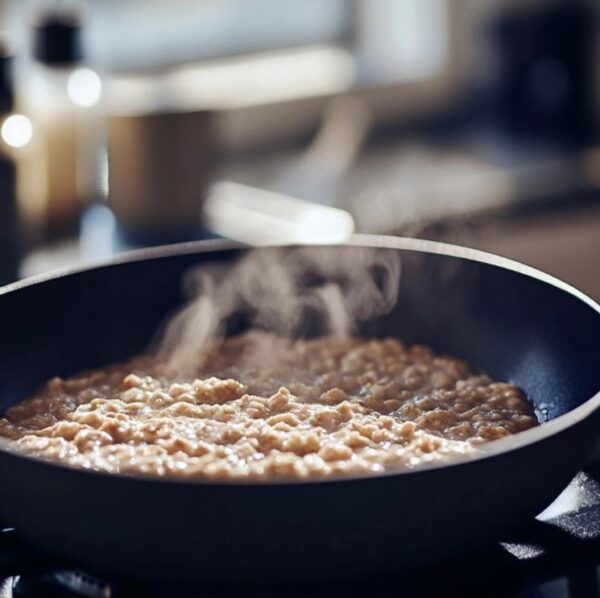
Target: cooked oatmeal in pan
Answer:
pixel 259 407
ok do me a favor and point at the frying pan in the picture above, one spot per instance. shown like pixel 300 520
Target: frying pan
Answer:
pixel 509 320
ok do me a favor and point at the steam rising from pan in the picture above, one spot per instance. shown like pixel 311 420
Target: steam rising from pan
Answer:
pixel 291 292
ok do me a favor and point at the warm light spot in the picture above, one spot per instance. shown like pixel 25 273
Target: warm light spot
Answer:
pixel 84 87
pixel 17 130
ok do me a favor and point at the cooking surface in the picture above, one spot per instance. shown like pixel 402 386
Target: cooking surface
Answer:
pixel 442 507
pixel 558 555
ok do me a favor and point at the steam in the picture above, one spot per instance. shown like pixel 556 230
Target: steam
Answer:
pixel 291 292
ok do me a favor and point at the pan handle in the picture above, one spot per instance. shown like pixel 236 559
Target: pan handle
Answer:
pixel 18 559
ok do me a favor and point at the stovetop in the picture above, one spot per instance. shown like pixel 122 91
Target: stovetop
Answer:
pixel 557 555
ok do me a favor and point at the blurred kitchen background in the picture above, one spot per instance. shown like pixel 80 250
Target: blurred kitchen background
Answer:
pixel 129 123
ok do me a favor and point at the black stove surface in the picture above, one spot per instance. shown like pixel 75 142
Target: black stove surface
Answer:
pixel 557 555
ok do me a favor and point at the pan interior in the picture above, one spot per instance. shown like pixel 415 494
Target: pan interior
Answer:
pixel 510 325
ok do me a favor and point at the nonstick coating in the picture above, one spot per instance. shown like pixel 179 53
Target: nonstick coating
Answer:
pixel 514 323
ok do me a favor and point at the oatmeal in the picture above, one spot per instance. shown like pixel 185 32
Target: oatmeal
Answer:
pixel 259 407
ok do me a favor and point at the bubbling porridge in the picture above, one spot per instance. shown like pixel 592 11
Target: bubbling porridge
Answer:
pixel 259 407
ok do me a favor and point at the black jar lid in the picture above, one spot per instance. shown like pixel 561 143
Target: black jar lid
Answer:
pixel 57 39
pixel 6 77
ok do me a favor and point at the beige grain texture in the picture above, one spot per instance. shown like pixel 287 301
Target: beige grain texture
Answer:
pixel 259 407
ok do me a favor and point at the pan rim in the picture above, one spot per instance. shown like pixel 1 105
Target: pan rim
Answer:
pixel 485 451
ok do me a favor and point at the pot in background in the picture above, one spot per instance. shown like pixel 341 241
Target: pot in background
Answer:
pixel 160 167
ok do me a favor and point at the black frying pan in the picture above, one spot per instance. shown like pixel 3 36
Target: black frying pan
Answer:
pixel 511 321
